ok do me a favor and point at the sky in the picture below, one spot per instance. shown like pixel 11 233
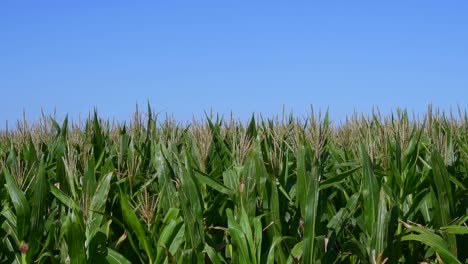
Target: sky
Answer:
pixel 188 57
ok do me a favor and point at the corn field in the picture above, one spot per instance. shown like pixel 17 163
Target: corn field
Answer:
pixel 374 189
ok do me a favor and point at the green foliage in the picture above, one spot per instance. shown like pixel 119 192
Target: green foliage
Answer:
pixel 372 190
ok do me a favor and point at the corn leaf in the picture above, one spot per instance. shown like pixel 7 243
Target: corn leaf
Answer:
pixel 20 203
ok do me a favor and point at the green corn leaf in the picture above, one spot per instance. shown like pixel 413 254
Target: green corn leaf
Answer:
pixel 171 225
pixel 302 179
pixel 239 239
pixel 205 179
pixel 410 153
pixel 178 241
pixel 370 190
pixel 246 229
pixel 192 206
pixel 443 204
pixel 442 187
pixel 165 175
pixel 252 174
pixel 330 182
pixel 40 190
pixel 344 214
pixel 63 198
pixel 257 237
pixel 296 253
pixel 113 257
pixel 135 225
pixel 98 204
pixel 455 229
pixel 98 137
pixel 436 242
pixel 275 243
pixel 73 229
pixel 12 155
pixel 231 181
pixel 9 226
pixel 215 257
pixel 308 180
pixel 168 232
pixel 378 242
pixel 241 246
pixel 30 153
pixel 21 205
pixel 252 128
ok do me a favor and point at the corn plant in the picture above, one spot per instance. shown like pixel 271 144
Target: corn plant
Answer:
pixel 375 189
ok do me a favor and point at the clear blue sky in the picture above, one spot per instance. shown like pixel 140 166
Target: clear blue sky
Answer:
pixel 186 57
